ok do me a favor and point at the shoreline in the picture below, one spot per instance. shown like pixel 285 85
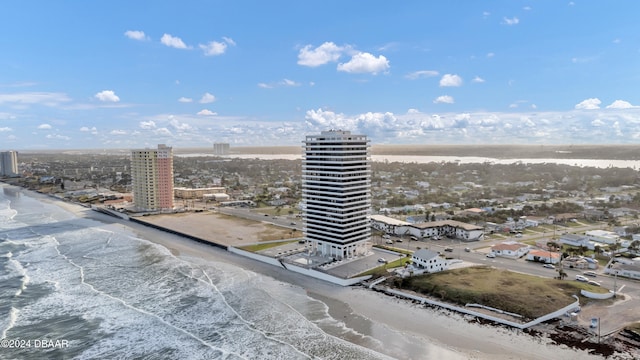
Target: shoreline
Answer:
pixel 435 333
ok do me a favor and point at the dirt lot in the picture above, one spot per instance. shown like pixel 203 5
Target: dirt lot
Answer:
pixel 219 228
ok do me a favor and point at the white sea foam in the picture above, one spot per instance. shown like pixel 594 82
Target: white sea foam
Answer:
pixel 10 322
pixel 126 297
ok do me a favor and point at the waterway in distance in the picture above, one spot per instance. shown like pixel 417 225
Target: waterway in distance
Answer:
pixel 420 159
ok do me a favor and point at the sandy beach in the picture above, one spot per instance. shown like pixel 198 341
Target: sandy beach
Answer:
pixel 400 329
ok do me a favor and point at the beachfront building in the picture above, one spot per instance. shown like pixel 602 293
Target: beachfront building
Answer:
pixel 220 149
pixel 199 193
pixel 336 193
pixel 9 163
pixel 152 178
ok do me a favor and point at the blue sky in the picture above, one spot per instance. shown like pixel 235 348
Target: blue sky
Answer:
pixel 129 74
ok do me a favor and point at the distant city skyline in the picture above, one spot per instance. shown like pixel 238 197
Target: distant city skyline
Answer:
pixel 255 73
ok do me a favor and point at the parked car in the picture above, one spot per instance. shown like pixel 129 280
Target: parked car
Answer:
pixel 549 266
pixel 581 278
pixel 448 249
pixel 594 283
pixel 389 241
pixel 590 273
pixel 382 260
pixel 386 236
pixel 413 238
pixel 491 255
pixel 467 249
pixel 398 240
pixel 293 223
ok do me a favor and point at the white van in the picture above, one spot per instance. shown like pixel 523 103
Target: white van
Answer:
pixel 581 278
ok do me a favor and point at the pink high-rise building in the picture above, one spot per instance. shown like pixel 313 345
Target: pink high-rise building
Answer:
pixel 152 178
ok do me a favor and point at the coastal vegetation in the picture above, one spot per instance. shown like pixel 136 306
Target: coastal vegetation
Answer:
pixel 527 295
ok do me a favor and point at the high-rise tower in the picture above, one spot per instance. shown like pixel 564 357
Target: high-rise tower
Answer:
pixel 9 163
pixel 336 193
pixel 152 178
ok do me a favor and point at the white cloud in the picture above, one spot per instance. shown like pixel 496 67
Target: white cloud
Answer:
pixel 365 63
pixel 597 122
pixel 325 53
pixel 477 79
pixel 118 132
pixel 283 82
pixel 93 130
pixel 207 98
pixel 490 55
pixel 107 96
pixel 57 137
pixel 45 127
pixel 174 42
pixel 44 98
pixel 513 21
pixel 527 8
pixel 4 129
pixel 206 112
pixel 163 132
pixel 214 48
pixel 589 104
pixel 422 74
pixel 229 41
pixel 179 126
pixel 444 99
pixel 450 80
pixel 185 100
pixel 620 104
pixel 147 125
pixel 287 82
pixel 136 35
pixel 486 13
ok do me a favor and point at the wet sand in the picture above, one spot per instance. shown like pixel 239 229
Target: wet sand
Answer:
pixel 403 329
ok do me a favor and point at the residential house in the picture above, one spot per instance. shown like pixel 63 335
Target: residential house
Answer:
pixel 574 240
pixel 624 267
pixel 544 256
pixel 510 249
pixel 579 262
pixel 429 260
pixel 602 236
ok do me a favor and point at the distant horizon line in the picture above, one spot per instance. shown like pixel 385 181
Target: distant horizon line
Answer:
pixel 490 151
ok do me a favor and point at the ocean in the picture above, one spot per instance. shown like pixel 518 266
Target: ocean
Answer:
pixel 78 288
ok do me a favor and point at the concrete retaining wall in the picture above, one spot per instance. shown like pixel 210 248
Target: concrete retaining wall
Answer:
pixel 254 256
pixel 600 296
pixel 299 269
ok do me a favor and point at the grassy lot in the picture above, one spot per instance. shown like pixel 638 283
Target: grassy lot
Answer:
pixel 529 296
pixel 260 247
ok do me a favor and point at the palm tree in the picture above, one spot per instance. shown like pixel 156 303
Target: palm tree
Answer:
pixel 561 273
